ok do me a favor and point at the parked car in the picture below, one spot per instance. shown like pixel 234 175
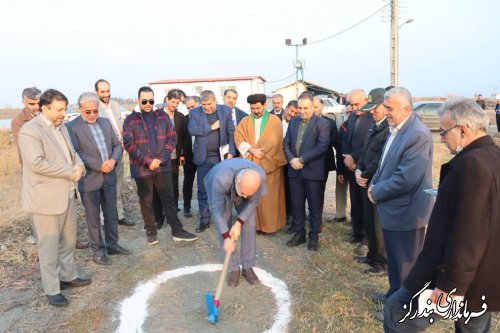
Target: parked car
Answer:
pixel 70 114
pixel 427 111
pixel 334 110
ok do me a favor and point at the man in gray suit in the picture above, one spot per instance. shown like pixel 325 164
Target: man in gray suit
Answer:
pixel 100 150
pixel 241 182
pixel 51 168
pixel 397 188
pixel 111 109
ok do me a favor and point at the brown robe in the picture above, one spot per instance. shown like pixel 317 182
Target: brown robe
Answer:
pixel 271 211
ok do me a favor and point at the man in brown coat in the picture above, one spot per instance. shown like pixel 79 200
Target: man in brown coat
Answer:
pixel 459 259
pixel 31 98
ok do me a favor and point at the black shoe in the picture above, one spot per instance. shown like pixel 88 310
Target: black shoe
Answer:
pixel 57 300
pixel 353 240
pixel 78 282
pixel 340 219
pixel 187 212
pixel 379 315
pixel 184 236
pixel 296 240
pixel 126 222
pixel 313 244
pixel 376 270
pixel 202 227
pixel 379 297
pixel 158 225
pixel 118 250
pixel 178 209
pixel 361 251
pixel 290 230
pixel 289 219
pixel 364 260
pixel 101 260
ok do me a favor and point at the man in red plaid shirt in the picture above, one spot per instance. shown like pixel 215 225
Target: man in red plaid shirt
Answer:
pixel 150 138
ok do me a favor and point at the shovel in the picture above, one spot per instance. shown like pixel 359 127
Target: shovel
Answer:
pixel 213 302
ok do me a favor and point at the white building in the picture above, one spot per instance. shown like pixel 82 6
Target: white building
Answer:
pixel 244 85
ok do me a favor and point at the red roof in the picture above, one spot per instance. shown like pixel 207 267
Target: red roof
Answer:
pixel 213 79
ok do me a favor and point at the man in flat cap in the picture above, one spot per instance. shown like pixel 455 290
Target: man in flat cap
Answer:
pixel 259 138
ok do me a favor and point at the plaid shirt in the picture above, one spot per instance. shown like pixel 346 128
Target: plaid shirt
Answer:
pixel 135 141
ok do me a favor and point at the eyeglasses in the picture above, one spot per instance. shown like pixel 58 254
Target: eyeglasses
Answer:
pixel 91 112
pixel 146 101
pixel 443 133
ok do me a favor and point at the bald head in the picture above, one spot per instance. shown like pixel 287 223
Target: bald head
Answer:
pixel 247 182
pixel 357 98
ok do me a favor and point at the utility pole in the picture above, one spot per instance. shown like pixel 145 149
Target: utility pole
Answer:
pixel 394 43
pixel 297 64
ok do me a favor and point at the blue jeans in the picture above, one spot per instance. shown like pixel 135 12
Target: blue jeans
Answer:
pixel 394 312
pixel 202 171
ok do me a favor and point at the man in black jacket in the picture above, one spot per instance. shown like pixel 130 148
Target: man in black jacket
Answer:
pixel 187 158
pixel 365 169
pixel 459 260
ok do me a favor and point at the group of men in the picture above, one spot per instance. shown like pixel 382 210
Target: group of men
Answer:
pixel 384 154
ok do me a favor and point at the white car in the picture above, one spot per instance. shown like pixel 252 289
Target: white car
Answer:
pixel 334 110
pixel 70 115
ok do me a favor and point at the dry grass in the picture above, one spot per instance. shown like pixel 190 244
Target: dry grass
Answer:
pixel 10 180
pixel 9 113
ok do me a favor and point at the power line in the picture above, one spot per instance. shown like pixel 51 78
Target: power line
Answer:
pixel 351 27
pixel 281 79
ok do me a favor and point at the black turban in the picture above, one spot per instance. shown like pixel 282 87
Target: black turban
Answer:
pixel 257 98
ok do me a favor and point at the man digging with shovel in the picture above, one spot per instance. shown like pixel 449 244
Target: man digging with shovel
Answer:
pixel 241 182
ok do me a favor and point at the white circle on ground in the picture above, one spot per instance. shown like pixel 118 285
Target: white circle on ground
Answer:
pixel 134 309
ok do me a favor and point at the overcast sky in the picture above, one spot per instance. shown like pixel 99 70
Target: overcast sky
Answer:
pixel 453 46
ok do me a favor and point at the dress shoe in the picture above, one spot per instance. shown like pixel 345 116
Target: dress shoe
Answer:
pixel 81 245
pixel 57 300
pixel 118 250
pixel 379 297
pixel 313 244
pixel 376 270
pixel 250 275
pixel 158 225
pixel 361 250
pixel 364 260
pixel 233 278
pixel 101 260
pixel 290 230
pixel 202 227
pixel 78 282
pixel 126 222
pixel 379 315
pixel 353 240
pixel 296 240
pixel 340 219
pixel 289 219
pixel 187 212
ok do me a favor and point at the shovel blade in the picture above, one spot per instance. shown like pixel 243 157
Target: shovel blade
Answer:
pixel 213 310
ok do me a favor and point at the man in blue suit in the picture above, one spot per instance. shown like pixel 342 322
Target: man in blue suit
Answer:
pixel 241 182
pixel 230 98
pixel 305 146
pixel 213 128
pixel 404 172
pixel 96 143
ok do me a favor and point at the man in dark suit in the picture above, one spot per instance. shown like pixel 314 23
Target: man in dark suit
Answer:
pixel 213 129
pixel 357 126
pixel 368 162
pixel 278 106
pixel 462 242
pixel 98 146
pixel 305 145
pixel 187 157
pixel 230 99
pixel 397 188
pixel 329 155
pixel 172 101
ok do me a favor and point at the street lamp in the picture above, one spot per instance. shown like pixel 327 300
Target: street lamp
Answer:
pixel 297 64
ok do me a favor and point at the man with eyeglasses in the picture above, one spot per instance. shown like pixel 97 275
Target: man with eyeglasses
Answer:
pixel 213 129
pixel 397 188
pixel 111 110
pixel 98 187
pixel 149 137
pixel 463 235
pixel 186 158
